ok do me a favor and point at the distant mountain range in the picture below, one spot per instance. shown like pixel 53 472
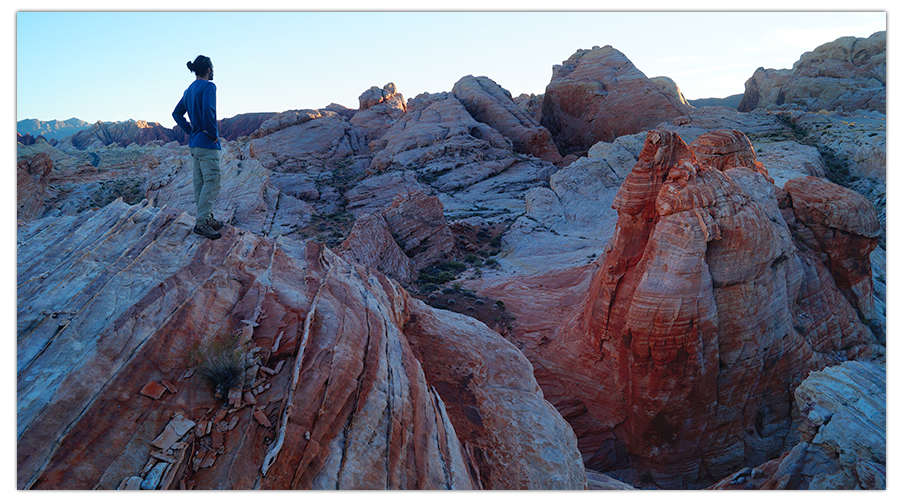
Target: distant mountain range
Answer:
pixel 731 101
pixel 81 134
pixel 53 129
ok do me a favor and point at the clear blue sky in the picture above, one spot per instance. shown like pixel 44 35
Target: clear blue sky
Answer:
pixel 116 66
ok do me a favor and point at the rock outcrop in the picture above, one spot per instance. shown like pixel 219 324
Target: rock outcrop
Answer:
pixel 490 103
pixel 842 435
pixel 242 125
pixel 400 241
pixel 598 95
pixel 841 225
pixel 113 301
pixel 703 316
pixel 378 110
pixel 847 74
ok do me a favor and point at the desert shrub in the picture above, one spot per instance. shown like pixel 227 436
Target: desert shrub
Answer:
pixel 441 272
pixel 222 361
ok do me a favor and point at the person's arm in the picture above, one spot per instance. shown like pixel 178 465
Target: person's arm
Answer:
pixel 178 115
pixel 209 124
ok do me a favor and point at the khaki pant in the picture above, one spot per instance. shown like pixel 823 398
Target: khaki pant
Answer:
pixel 206 180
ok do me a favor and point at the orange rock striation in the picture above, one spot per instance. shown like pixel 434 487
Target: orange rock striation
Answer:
pixel 679 350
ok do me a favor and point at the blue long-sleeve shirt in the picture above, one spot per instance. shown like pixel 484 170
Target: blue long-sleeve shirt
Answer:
pixel 199 101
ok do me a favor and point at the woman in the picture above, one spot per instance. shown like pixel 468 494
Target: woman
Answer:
pixel 199 101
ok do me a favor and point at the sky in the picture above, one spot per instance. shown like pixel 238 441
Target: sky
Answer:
pixel 114 66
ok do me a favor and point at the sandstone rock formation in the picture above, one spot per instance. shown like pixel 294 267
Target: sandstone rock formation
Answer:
pixel 703 315
pixel 673 356
pixel 598 95
pixel 727 149
pixel 410 235
pixel 470 163
pixel 490 103
pixel 32 172
pixel 842 428
pixel 378 110
pixel 841 225
pixel 337 397
pixel 847 74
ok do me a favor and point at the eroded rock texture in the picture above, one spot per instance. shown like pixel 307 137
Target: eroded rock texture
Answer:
pixel 842 435
pixel 598 95
pixel 702 316
pixel 111 302
pixel 847 74
pixel 490 103
pixel 401 240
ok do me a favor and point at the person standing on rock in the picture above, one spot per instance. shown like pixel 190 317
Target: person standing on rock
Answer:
pixel 199 101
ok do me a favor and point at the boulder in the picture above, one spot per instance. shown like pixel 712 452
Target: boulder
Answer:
pixel 490 103
pixel 598 95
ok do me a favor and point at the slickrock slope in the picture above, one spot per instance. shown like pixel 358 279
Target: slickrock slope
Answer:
pixel 113 300
pixel 702 316
pixel 842 428
pixel 847 74
pixel 490 103
pixel 598 95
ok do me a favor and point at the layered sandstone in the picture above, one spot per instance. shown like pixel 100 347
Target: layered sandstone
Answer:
pixel 598 95
pixel 337 396
pixel 490 103
pixel 378 110
pixel 842 435
pixel 847 74
pixel 401 240
pixel 702 315
pixel 843 226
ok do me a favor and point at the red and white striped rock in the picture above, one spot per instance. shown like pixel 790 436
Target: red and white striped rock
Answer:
pixel 135 290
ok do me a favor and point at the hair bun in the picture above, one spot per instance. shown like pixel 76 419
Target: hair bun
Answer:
pixel 190 65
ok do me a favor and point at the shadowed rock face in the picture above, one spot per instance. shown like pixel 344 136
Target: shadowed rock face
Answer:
pixel 842 435
pixel 113 300
pixel 702 316
pixel 598 95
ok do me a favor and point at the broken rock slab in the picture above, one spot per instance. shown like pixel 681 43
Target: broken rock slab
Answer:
pixel 175 430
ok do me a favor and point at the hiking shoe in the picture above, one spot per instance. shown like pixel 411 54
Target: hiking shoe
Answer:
pixel 213 223
pixel 206 230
